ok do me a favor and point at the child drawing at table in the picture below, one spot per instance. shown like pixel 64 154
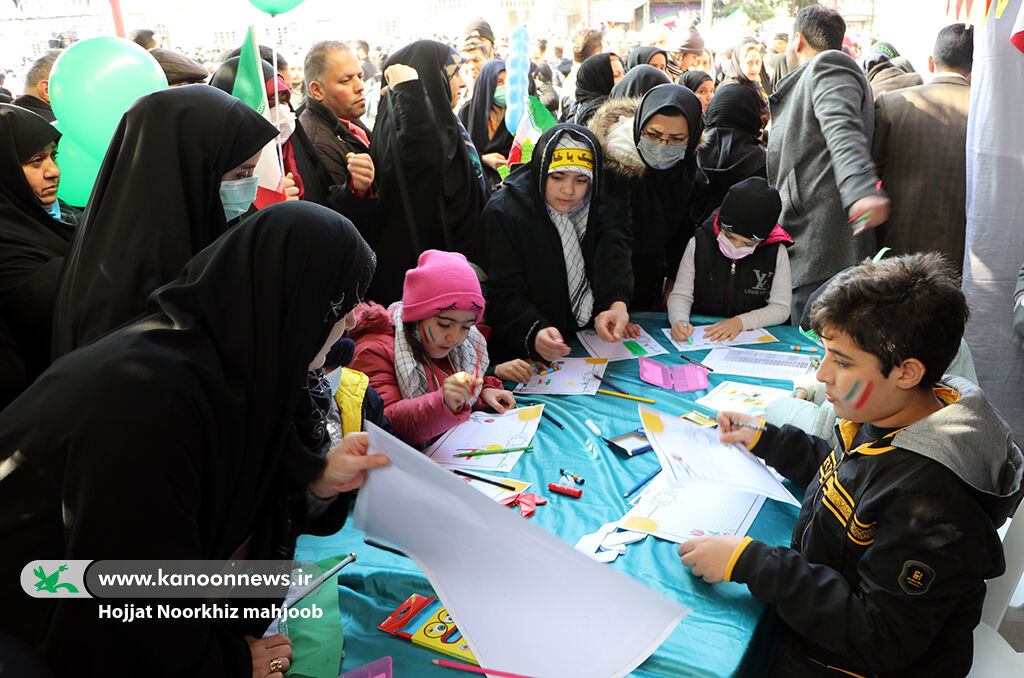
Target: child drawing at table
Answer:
pixel 897 533
pixel 735 266
pixel 425 356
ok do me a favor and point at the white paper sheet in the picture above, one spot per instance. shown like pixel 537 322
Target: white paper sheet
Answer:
pixel 689 452
pixel 487 430
pixel 574 376
pixel 757 335
pixel 747 362
pixel 626 349
pixel 693 509
pixel 493 571
pixel 733 396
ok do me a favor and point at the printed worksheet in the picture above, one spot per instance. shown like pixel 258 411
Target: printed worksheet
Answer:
pixel 747 362
pixel 569 376
pixel 693 509
pixel 733 396
pixel 485 432
pixel 626 349
pixel 698 342
pixel 688 452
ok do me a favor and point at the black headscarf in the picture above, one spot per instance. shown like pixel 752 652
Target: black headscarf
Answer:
pixel 156 203
pixel 638 81
pixel 477 111
pixel 737 107
pixel 734 67
pixel 176 436
pixel 691 80
pixel 731 150
pixel 672 99
pixel 643 55
pixel 32 243
pixel 594 82
pixel 436 63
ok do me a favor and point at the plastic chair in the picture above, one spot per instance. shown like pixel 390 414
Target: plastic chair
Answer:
pixel 993 656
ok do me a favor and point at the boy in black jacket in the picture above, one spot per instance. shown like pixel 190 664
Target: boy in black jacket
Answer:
pixel 897 534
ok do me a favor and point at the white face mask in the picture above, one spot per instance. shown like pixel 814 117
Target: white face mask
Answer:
pixel 283 118
pixel 730 250
pixel 237 195
pixel 660 156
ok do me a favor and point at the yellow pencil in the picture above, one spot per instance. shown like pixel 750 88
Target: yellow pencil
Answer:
pixel 623 395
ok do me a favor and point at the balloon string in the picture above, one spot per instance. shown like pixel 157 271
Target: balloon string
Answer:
pixel 277 102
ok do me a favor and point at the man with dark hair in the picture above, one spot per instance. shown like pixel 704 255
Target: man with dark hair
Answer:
pixel 145 38
pixel 920 148
pixel 560 63
pixel 775 59
pixel 330 118
pixel 897 533
pixel 477 54
pixel 179 69
pixel 819 155
pixel 267 54
pixel 362 50
pixel 37 86
pixel 585 43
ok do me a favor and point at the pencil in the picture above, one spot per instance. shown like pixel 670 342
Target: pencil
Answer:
pixel 629 379
pixel 383 547
pixel 643 482
pixel 476 669
pixel 496 483
pixel 611 385
pixel 743 424
pixel 479 453
pixel 624 395
pixel 553 420
pixel 695 362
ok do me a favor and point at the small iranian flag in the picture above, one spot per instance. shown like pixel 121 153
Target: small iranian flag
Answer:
pixel 535 121
pixel 250 88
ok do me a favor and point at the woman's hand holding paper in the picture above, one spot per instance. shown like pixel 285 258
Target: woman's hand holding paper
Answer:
pixel 346 465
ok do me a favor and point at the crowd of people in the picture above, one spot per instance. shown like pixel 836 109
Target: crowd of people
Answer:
pixel 163 347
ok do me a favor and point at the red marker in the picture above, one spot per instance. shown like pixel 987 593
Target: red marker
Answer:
pixel 573 492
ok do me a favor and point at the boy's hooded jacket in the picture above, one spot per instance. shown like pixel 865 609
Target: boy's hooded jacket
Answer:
pixel 526 282
pixel 894 540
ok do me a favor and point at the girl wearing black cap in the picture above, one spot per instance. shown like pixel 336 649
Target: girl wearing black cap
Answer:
pixel 735 266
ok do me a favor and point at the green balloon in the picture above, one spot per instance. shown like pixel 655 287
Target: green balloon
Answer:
pixel 78 172
pixel 275 7
pixel 94 82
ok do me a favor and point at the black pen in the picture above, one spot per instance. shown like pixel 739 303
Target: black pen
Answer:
pixel 496 483
pixel 698 364
pixel 384 547
pixel 552 420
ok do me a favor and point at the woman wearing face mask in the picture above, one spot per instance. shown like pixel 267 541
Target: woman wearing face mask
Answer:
pixel 650 165
pixel 180 167
pixel 301 162
pixel 484 118
pixel 429 177
pixel 33 243
pixel 735 266
pixel 173 438
pixel 556 263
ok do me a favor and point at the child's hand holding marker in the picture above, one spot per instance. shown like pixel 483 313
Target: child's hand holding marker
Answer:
pixel 682 330
pixel 459 388
pixel 734 427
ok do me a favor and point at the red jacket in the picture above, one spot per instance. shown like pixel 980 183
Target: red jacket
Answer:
pixel 415 420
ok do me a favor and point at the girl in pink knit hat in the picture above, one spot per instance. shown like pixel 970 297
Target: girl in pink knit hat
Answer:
pixel 425 356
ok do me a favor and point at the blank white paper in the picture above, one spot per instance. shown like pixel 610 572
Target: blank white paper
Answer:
pixel 503 579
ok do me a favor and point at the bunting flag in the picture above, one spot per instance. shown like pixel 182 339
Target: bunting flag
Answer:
pixel 535 121
pixel 250 88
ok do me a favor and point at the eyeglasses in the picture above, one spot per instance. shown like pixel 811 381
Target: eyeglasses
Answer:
pixel 671 140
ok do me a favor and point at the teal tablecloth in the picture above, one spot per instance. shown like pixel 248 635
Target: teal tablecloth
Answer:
pixel 727 632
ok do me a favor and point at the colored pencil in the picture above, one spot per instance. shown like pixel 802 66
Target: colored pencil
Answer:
pixel 803 349
pixel 743 424
pixel 624 395
pixel 553 420
pixel 631 380
pixel 476 669
pixel 647 479
pixel 466 474
pixel 480 453
pixel 383 547
pixel 611 385
pixel 695 362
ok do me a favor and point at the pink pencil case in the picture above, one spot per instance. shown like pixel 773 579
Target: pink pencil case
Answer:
pixel 677 377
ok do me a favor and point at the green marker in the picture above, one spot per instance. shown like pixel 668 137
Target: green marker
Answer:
pixel 501 451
